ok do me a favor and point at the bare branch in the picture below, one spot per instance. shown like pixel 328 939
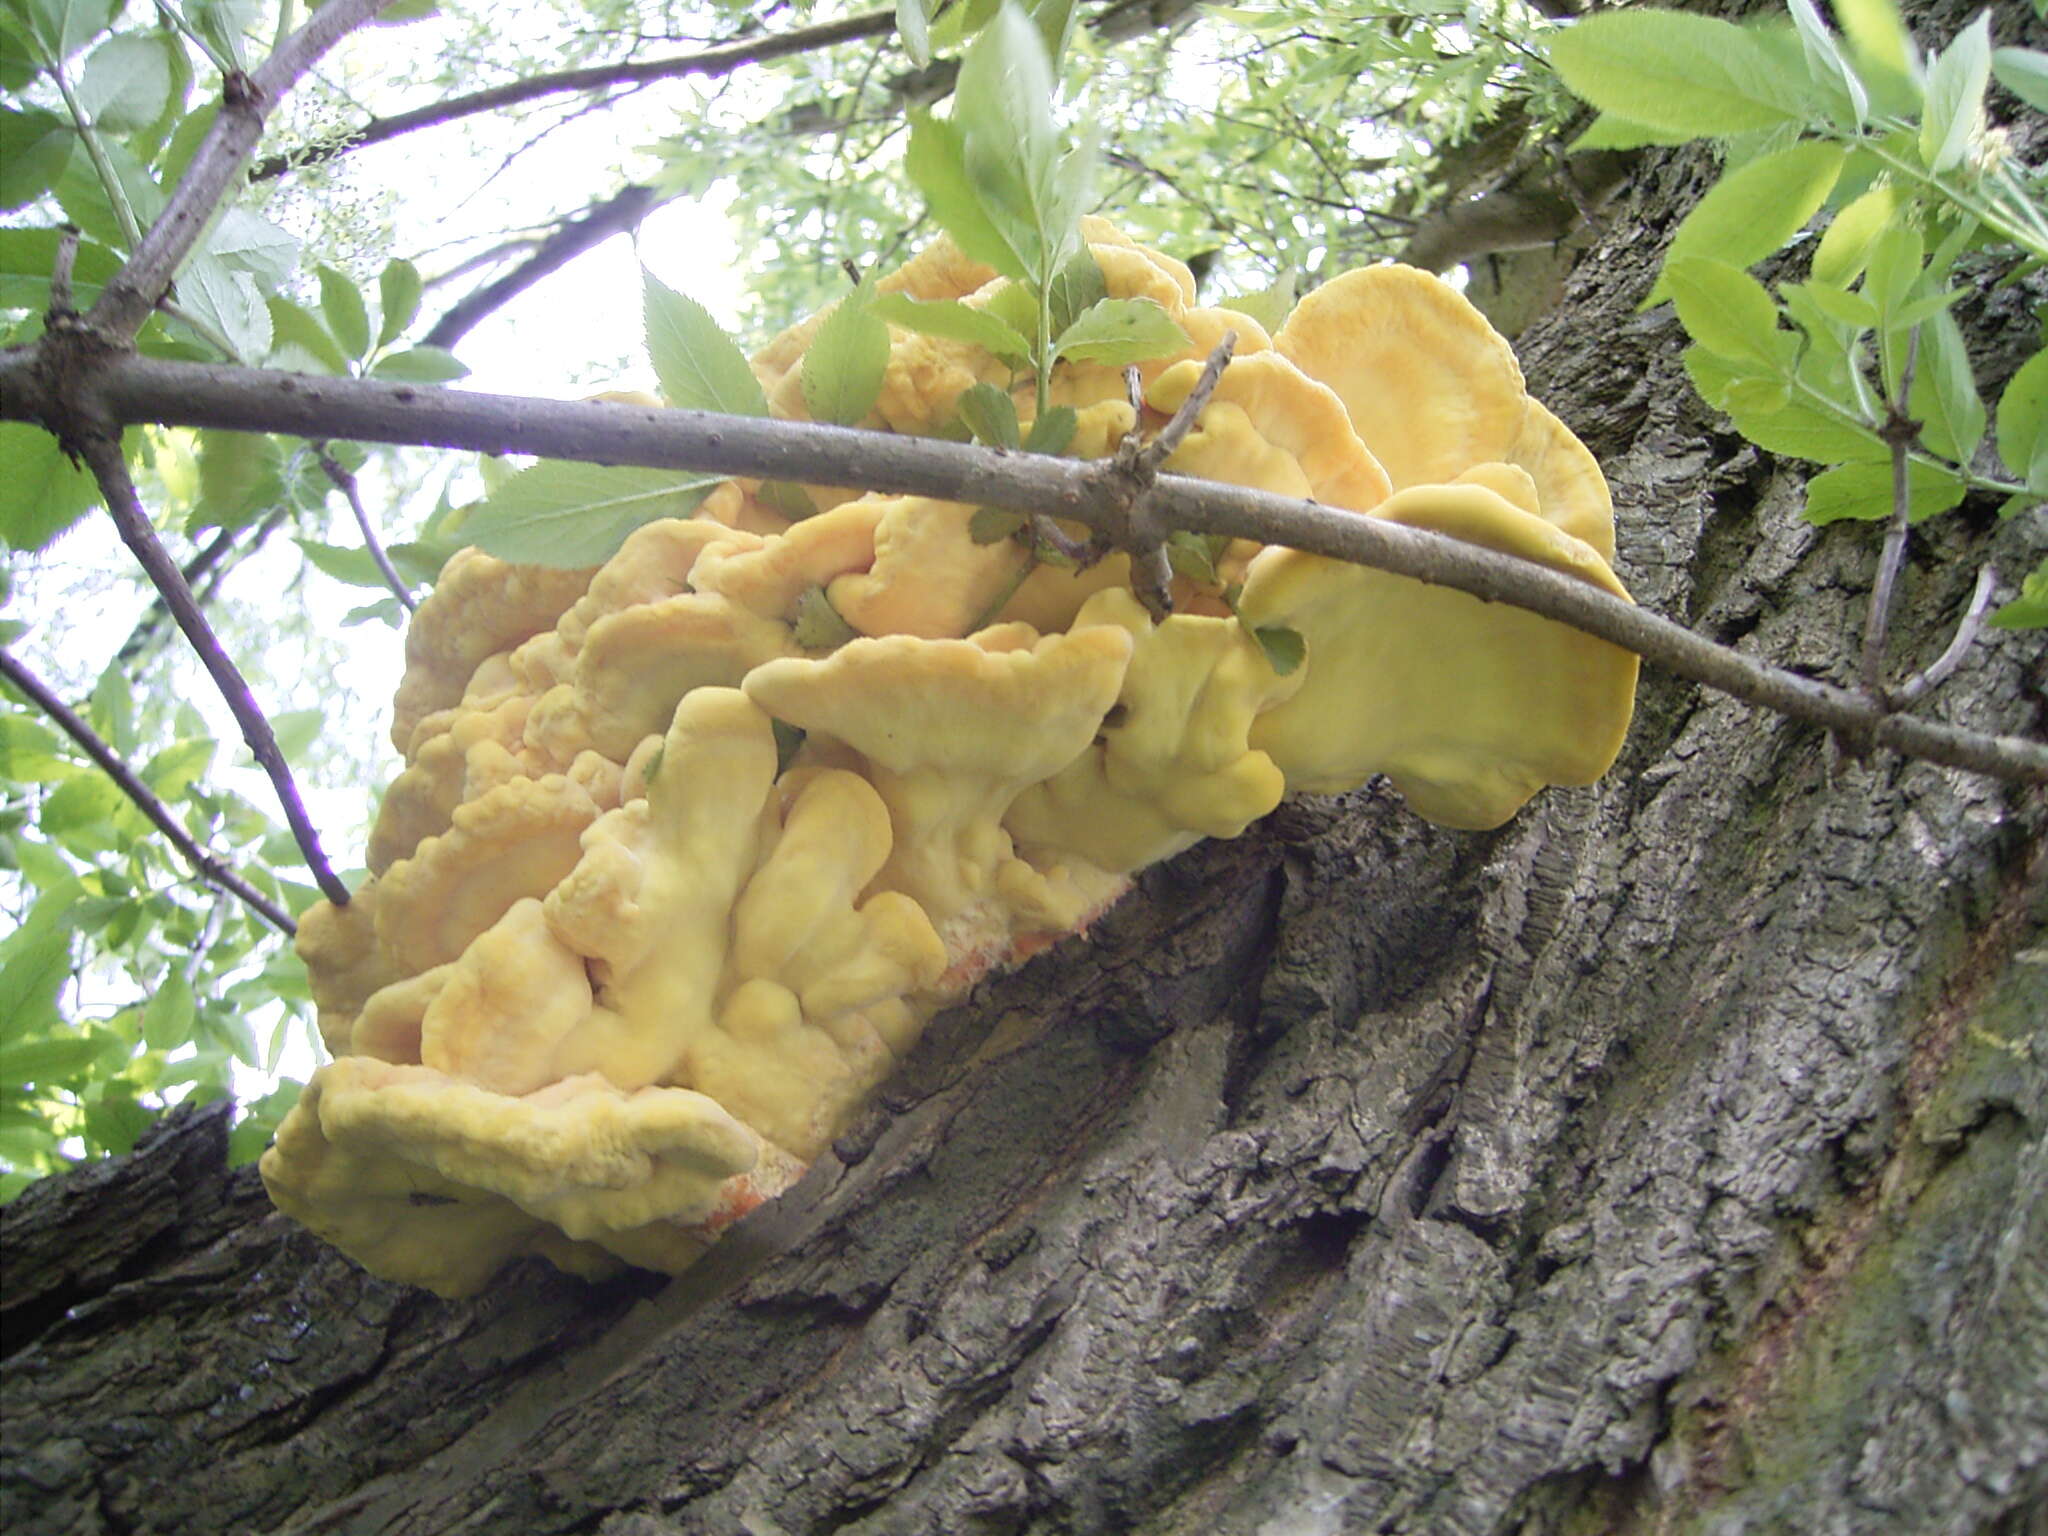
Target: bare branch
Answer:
pixel 345 482
pixel 1939 671
pixel 204 864
pixel 102 455
pixel 246 104
pixel 185 394
pixel 722 60
pixel 622 211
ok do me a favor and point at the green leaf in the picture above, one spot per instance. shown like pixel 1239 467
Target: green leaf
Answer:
pixel 818 626
pixel 954 321
pixel 223 23
pixel 1825 59
pixel 699 367
pixel 1725 310
pixel 111 709
pixel 936 162
pixel 2027 611
pixel 399 289
pixel 179 766
pixel 34 147
pixel 82 812
pixel 65 26
pixel 1194 555
pixel 299 338
pixel 1954 112
pixel 1864 492
pixel 1052 432
pixel 992 525
pixel 1608 131
pixel 244 242
pixel 913 30
pixel 420 365
pixel 49 1060
pixel 991 415
pixel 1284 647
pixel 296 730
pixel 2023 414
pixel 84 198
pixel 229 301
pixel 27 257
pixel 1752 212
pixel 241 477
pixel 1269 307
pixel 46 492
pixel 1118 331
pixel 1801 431
pixel 31 754
pixel 1876 30
pixel 2024 72
pixel 1845 244
pixel 1839 305
pixel 1944 395
pixel 843 366
pixel 348 317
pixel 573 515
pixel 35 971
pixel 1676 72
pixel 1075 289
pixel 167 1021
pixel 126 84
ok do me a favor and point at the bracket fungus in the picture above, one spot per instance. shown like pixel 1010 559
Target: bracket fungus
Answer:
pixel 666 887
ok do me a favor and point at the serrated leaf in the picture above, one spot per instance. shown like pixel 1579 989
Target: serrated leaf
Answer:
pixel 30 754
pixel 818 626
pixel 1845 243
pixel 1076 288
pixel 843 367
pixel 936 161
pixel 1864 492
pixel 127 80
pixel 1725 310
pixel 85 199
pixel 1268 307
pixel 1052 432
pixel 2030 609
pixel 2024 72
pixel 954 321
pixel 420 365
pixel 1114 332
pixel 228 301
pixel 292 326
pixel 399 289
pixel 992 525
pixel 245 242
pixel 1944 395
pixel 1892 268
pixel 179 766
pixel 1800 431
pixel 65 26
pixel 1838 305
pixel 167 1020
pixel 1193 555
pixel 1608 131
pixel 1954 111
pixel 27 257
pixel 2023 414
pixel 699 366
pixel 1676 72
pixel 1284 647
pixel 573 515
pixel 1752 212
pixel 991 415
pixel 348 317
pixel 222 23
pixel 46 492
pixel 49 1060
pixel 35 971
pixel 34 148
pixel 351 567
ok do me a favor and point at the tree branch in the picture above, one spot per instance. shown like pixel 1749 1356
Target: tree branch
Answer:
pixel 185 394
pixel 102 455
pixel 204 865
pixel 622 211
pixel 345 482
pixel 722 60
pixel 246 103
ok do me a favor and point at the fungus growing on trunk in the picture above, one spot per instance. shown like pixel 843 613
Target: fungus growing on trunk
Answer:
pixel 669 884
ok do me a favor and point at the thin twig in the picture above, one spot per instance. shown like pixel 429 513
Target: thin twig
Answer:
pixel 246 102
pixel 1939 670
pixel 1900 431
pixel 346 483
pixel 204 864
pixel 102 455
pixel 133 389
pixel 1178 425
pixel 721 60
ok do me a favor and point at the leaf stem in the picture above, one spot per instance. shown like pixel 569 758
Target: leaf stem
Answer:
pixel 176 18
pixel 96 151
pixel 1899 432
pixel 345 482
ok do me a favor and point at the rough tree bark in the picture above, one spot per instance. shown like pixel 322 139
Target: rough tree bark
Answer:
pixel 1674 1159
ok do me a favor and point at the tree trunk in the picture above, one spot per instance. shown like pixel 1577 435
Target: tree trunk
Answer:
pixel 1673 1159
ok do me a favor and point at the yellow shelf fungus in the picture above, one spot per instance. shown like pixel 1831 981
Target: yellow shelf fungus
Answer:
pixel 666 888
